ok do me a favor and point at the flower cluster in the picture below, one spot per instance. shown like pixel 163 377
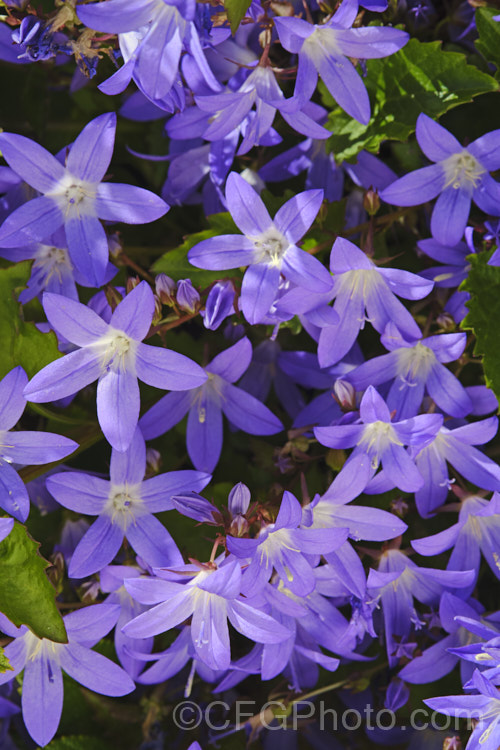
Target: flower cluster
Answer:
pixel 315 322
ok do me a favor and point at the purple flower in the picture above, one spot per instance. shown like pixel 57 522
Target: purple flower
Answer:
pixel 325 49
pixel 458 176
pixel 113 354
pixel 125 506
pixel 415 367
pixel 358 284
pixel 206 404
pixel 397 581
pixel 211 595
pixel 376 439
pixel 230 109
pixel 52 270
pixel 284 546
pixel 74 196
pixel 43 660
pixel 455 447
pixel 477 530
pixel 485 707
pixel 268 247
pixel 436 661
pixel 152 36
pixel 20 447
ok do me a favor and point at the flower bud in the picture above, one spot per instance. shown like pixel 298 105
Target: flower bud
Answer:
pixel 132 283
pixel 239 499
pixel 165 288
pixel 188 298
pixel 345 394
pixel 196 507
pixel 371 202
pixel 397 695
pixel 157 315
pixel 153 461
pixel 219 304
pixel 114 245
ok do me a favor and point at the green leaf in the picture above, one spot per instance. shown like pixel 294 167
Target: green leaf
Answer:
pixel 419 78
pixel 488 43
pixel 483 284
pixel 175 263
pixel 26 595
pixel 5 665
pixel 236 10
pixel 22 343
pixel 77 742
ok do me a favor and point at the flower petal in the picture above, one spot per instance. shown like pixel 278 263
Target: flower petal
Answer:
pixel 127 203
pixel 118 406
pixel 91 152
pixel 32 162
pixel 96 549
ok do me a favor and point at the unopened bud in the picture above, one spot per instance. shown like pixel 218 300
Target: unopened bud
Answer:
pixel 114 245
pixel 188 298
pixel 452 743
pixel 239 526
pixel 446 322
pixel 282 8
pixel 345 394
pixel 399 507
pixel 265 38
pixel 153 461
pixel 113 296
pixel 371 202
pixel 158 314
pixel 165 288
pixel 239 499
pixel 220 304
pixel 132 283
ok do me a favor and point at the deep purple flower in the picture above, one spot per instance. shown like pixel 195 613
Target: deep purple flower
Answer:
pixel 113 354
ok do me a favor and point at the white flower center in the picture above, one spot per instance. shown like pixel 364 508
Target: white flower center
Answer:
pixel 415 363
pixel 376 438
pixel 118 351
pixel 270 247
pixel 75 197
pixel 321 43
pixel 462 170
pixel 54 260
pixel 124 504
